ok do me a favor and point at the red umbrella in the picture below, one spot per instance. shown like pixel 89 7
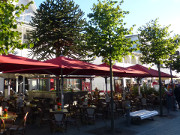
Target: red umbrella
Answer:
pixel 70 67
pixel 67 66
pixel 151 72
pixel 12 62
pixel 128 72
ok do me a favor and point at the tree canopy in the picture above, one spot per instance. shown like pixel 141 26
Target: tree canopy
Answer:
pixel 156 45
pixel 106 32
pixel 59 30
pixel 10 38
pixel 175 63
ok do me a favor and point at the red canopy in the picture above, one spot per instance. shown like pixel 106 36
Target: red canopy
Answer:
pixel 12 62
pixel 70 67
pixel 151 72
pixel 128 72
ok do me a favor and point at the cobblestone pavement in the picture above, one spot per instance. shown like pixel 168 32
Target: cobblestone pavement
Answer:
pixel 166 125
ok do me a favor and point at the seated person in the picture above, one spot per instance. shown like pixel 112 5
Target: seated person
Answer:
pixel 96 93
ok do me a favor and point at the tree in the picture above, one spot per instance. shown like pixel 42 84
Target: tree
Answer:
pixel 59 30
pixel 10 38
pixel 156 47
pixel 106 35
pixel 174 61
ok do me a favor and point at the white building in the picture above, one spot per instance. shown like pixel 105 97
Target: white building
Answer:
pixel 25 17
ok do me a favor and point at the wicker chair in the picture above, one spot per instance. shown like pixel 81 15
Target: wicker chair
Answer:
pixel 20 128
pixel 90 115
pixel 58 123
pixel 2 127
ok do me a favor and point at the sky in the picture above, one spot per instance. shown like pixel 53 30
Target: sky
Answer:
pixel 142 11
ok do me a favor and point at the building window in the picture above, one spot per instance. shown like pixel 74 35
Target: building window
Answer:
pixel 139 62
pixel 127 59
pixel 133 60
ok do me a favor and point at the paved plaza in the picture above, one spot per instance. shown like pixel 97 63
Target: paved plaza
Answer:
pixel 166 125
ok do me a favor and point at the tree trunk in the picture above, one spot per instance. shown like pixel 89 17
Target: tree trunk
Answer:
pixel 112 101
pixel 160 90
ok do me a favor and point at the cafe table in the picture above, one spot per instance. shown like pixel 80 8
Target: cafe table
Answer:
pixel 9 119
pixel 87 106
pixel 10 116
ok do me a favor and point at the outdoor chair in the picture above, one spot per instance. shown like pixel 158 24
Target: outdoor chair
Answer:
pixel 150 103
pixel 101 111
pixel 58 123
pixel 30 113
pixel 43 116
pixel 19 128
pixel 78 113
pixel 156 102
pixel 2 127
pixel 125 103
pixel 4 104
pixel 12 106
pixel 72 121
pixel 144 103
pixel 90 115
pixel 119 108
pixel 114 109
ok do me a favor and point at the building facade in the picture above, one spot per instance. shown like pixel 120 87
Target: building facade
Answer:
pixel 25 18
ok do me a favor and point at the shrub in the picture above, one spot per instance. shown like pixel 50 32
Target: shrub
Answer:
pixel 145 90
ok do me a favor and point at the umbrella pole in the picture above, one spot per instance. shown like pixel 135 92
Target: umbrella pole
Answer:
pixel 138 81
pixel 16 84
pixel 23 90
pixel 9 87
pixel 57 87
pixel 106 84
pixel 38 83
pixel 91 85
pixel 62 94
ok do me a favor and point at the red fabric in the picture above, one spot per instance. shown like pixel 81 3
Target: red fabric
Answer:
pixel 65 62
pixel 155 83
pixel 71 67
pixel 151 72
pixel 128 72
pixel 12 62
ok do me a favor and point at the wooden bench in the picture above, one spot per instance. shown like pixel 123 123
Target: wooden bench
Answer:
pixel 143 114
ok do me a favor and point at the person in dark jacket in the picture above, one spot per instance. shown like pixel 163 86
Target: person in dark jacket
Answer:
pixel 177 94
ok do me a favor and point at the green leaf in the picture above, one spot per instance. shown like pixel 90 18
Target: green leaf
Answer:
pixel 9 39
pixel 60 30
pixel 106 32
